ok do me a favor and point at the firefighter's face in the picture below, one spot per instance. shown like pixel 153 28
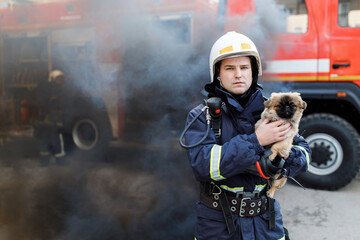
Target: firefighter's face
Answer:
pixel 236 74
pixel 59 80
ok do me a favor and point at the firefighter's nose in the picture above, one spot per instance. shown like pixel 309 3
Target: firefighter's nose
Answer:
pixel 237 72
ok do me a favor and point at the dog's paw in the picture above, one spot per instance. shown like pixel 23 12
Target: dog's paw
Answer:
pixel 284 154
pixel 270 193
pixel 272 156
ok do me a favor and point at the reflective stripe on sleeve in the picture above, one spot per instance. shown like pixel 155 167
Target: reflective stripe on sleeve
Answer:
pixel 234 190
pixel 259 188
pixel 215 159
pixel 306 154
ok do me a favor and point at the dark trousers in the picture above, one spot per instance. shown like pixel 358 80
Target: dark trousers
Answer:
pixel 51 142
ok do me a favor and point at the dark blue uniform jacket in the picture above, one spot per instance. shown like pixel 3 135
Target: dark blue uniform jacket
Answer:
pixel 225 160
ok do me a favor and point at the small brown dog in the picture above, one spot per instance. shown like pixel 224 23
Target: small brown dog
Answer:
pixel 287 106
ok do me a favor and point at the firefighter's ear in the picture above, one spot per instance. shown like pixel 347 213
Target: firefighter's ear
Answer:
pixel 267 103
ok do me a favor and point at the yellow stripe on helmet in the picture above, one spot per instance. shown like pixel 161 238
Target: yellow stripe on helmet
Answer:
pixel 227 49
pixel 245 46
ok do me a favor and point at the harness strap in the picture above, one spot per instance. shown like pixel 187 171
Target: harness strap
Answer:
pixel 216 126
pixel 227 212
pixel 272 213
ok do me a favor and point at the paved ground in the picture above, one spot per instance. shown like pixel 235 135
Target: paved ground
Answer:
pixel 321 215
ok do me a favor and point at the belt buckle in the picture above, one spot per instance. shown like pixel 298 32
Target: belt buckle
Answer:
pixel 243 204
pixel 213 188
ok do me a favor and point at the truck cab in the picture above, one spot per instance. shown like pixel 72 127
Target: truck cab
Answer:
pixel 317 55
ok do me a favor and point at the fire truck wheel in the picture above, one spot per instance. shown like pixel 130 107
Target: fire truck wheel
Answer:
pixel 335 149
pixel 89 136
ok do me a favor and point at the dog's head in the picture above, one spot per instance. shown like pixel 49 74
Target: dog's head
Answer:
pixel 287 106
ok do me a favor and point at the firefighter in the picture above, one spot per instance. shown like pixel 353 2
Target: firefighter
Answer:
pixel 49 128
pixel 233 203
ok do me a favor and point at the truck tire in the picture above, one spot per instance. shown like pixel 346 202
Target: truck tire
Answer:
pixel 88 136
pixel 335 149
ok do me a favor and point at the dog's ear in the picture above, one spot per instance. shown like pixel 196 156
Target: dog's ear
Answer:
pixel 267 103
pixel 303 105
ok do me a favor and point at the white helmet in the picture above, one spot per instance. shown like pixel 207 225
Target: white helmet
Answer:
pixel 232 44
pixel 55 74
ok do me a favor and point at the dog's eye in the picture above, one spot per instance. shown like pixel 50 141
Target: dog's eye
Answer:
pixel 292 105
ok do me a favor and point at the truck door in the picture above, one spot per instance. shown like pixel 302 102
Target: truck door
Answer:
pixel 296 57
pixel 345 40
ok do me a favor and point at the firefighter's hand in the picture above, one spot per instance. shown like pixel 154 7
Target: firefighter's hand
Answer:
pixel 268 133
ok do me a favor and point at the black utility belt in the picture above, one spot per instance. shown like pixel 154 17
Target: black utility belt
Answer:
pixel 245 204
pixel 244 207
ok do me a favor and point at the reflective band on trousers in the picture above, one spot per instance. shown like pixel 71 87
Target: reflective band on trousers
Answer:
pixel 215 159
pixel 306 154
pixel 62 150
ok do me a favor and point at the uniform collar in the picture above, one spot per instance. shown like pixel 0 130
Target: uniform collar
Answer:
pixel 230 99
pixel 210 90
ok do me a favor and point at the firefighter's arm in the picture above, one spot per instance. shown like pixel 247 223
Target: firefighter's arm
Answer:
pixel 299 157
pixel 211 161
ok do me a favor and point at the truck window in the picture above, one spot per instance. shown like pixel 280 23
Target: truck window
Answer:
pixel 349 13
pixel 297 18
pixel 26 60
pixel 177 25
